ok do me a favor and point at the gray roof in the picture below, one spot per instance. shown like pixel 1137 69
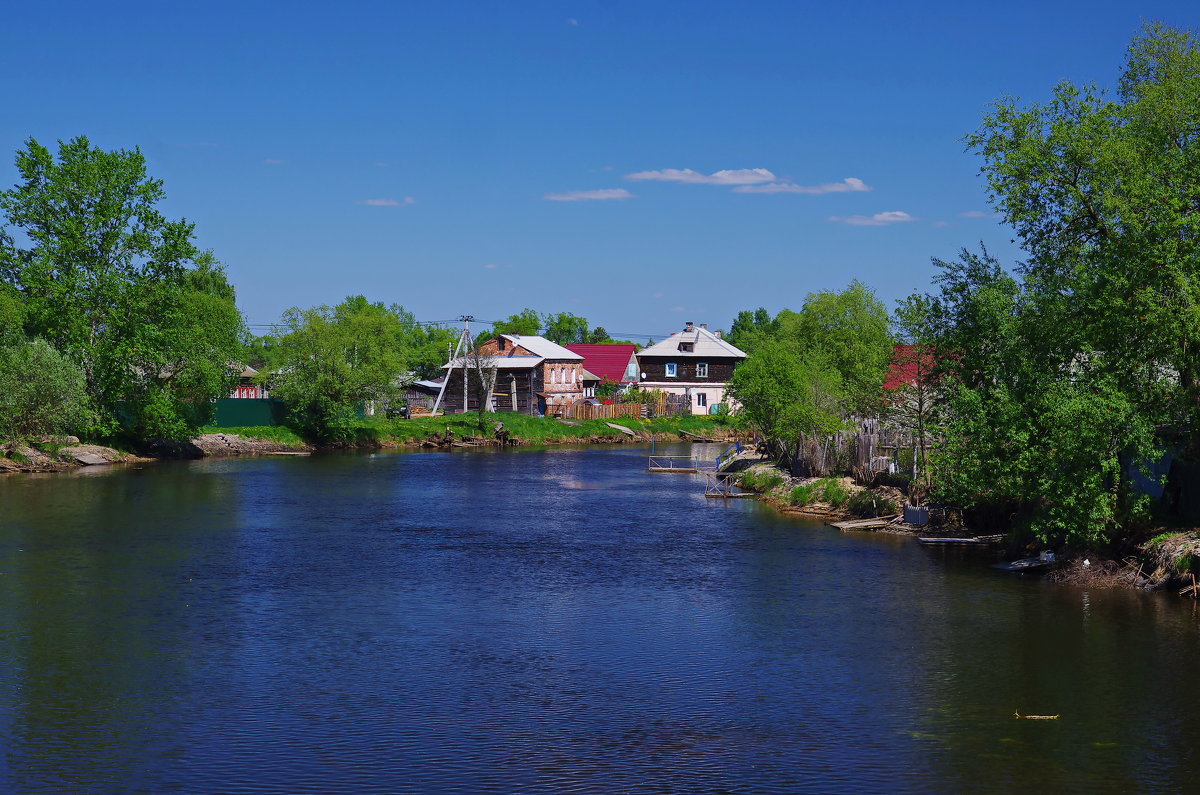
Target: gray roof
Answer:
pixel 500 362
pixel 705 345
pixel 540 346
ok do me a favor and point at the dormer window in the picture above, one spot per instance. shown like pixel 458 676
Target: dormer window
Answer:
pixel 500 343
pixel 687 347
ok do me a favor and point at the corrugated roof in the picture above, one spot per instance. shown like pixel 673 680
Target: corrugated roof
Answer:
pixel 540 346
pixel 501 362
pixel 705 345
pixel 606 361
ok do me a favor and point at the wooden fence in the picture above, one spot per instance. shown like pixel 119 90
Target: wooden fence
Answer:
pixel 587 411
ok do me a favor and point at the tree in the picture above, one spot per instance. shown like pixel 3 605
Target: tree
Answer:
pixel 848 330
pixel 332 360
pixel 785 396
pixel 527 322
pixel 41 393
pixel 565 328
pixel 749 329
pixel 1103 192
pixel 107 280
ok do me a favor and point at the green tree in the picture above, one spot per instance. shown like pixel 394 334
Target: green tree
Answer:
pixel 565 328
pixel 749 329
pixel 41 393
pixel 526 322
pixel 849 331
pixel 332 360
pixel 1102 191
pixel 108 281
pixel 785 396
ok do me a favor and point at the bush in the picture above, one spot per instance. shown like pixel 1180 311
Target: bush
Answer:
pixel 867 505
pixel 42 393
pixel 802 495
pixel 834 493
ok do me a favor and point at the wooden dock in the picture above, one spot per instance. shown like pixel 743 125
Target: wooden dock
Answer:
pixel 865 524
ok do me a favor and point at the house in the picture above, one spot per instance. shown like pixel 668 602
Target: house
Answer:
pixel 526 374
pixel 695 363
pixel 616 363
pixel 246 387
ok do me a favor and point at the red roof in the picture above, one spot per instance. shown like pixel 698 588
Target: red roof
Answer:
pixel 607 361
pixel 903 369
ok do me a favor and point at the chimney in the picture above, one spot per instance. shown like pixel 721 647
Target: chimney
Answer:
pixel 704 326
pixel 717 333
pixel 688 326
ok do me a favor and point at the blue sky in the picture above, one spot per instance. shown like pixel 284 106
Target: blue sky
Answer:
pixel 638 163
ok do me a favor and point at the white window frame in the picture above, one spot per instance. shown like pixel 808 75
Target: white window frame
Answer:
pixel 702 369
pixel 702 399
pixel 671 370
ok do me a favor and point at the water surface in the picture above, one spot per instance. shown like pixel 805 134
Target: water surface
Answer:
pixel 546 621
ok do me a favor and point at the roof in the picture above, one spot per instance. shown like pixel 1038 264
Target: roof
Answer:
pixel 540 346
pixel 907 366
pixel 706 345
pixel 606 361
pixel 500 362
pixel 588 376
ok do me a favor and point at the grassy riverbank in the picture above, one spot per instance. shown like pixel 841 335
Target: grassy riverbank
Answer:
pixel 520 429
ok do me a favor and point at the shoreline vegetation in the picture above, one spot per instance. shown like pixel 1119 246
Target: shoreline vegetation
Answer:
pixel 454 431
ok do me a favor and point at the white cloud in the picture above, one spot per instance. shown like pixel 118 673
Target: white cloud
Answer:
pixel 737 176
pixel 977 214
pixel 573 22
pixel 940 224
pixel 490 266
pixel 846 185
pixel 878 219
pixel 678 309
pixel 589 195
pixel 388 202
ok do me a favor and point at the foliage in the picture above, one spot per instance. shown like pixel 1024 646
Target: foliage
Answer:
pixel 865 504
pixel 834 493
pixel 1059 379
pixel 527 322
pixel 334 359
pixel 42 393
pixel 108 281
pixel 749 329
pixel 785 396
pixel 847 332
pixel 761 480
pixel 12 316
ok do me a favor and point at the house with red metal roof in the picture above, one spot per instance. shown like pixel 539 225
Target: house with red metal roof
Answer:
pixel 615 363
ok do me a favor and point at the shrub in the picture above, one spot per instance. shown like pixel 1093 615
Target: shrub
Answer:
pixel 866 504
pixel 834 493
pixel 802 495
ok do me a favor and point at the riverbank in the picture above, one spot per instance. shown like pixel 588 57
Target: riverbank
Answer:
pixel 441 432
pixel 1170 560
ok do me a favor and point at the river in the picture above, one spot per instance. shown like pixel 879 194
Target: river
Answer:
pixel 547 621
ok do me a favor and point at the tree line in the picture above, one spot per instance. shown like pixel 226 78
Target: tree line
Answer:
pixel 1051 387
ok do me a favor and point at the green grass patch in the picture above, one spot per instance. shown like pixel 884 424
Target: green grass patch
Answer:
pixel 526 429
pixel 761 481
pixel 804 494
pixel 279 434
pixel 834 493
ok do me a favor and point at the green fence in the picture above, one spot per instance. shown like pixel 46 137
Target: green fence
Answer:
pixel 248 412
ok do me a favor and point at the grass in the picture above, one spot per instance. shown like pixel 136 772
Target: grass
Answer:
pixel 867 505
pixel 761 481
pixel 280 434
pixel 520 427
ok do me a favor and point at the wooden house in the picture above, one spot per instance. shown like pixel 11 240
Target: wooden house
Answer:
pixel 695 363
pixel 526 374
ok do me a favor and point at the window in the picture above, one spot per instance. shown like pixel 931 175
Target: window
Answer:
pixel 701 399
pixel 702 369
pixel 687 347
pixel 671 366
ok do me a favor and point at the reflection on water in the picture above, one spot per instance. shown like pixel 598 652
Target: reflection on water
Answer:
pixel 546 621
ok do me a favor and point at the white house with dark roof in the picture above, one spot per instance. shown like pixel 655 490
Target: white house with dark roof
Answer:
pixel 694 362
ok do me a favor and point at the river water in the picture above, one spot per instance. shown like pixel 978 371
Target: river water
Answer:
pixel 547 621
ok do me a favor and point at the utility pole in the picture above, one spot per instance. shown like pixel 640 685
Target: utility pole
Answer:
pixel 464 344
